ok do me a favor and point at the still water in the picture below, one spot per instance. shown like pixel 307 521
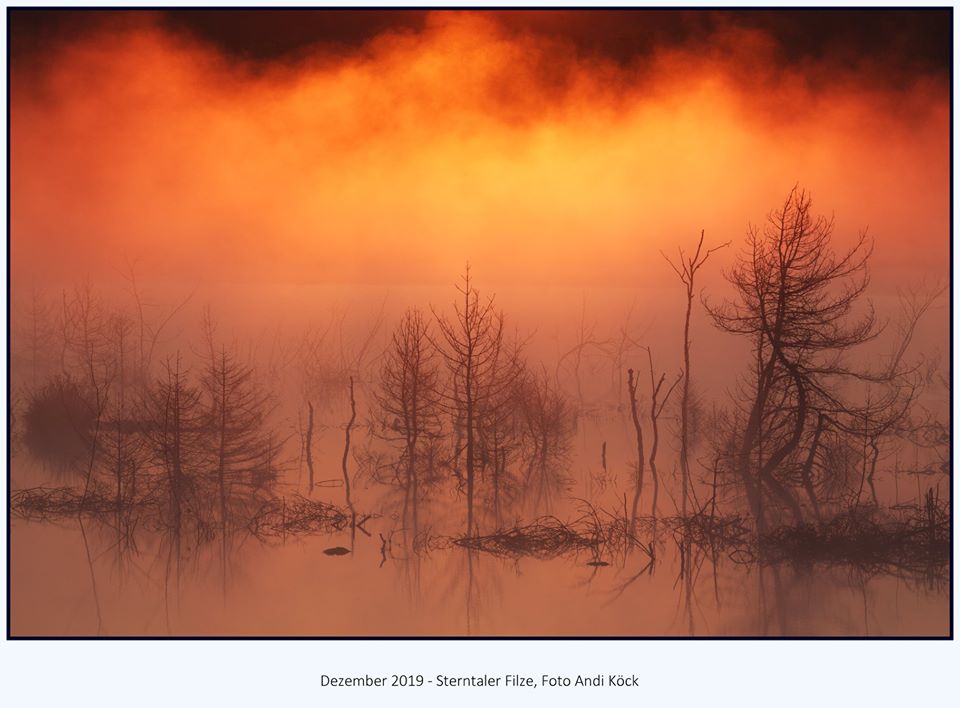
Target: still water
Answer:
pixel 295 589
pixel 71 581
pixel 68 579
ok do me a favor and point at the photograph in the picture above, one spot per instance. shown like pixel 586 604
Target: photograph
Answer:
pixel 479 323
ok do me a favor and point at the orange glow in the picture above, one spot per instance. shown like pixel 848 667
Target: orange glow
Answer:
pixel 399 160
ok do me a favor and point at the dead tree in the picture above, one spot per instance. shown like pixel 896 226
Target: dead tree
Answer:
pixel 125 445
pixel 547 422
pixel 619 350
pixel 499 434
pixel 686 268
pixel 241 441
pixel 346 451
pixel 177 427
pixel 308 444
pixel 656 408
pixel 638 431
pixel 39 334
pixel 87 351
pixel 795 300
pixel 473 348
pixel 408 410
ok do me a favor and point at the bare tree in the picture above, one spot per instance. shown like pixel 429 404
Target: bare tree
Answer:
pixel 409 408
pixel 308 445
pixel 86 344
pixel 796 300
pixel 38 331
pixel 499 434
pixel 686 268
pixel 657 405
pixel 473 347
pixel 177 427
pixel 619 350
pixel 346 451
pixel 126 446
pixel 243 445
pixel 547 421
pixel 638 432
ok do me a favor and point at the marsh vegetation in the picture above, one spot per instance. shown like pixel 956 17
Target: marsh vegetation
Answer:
pixel 446 439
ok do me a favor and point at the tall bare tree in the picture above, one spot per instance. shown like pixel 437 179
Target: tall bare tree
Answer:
pixel 177 425
pixel 482 367
pixel 243 445
pixel 797 300
pixel 686 267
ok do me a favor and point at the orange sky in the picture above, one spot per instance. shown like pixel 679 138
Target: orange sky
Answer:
pixel 398 160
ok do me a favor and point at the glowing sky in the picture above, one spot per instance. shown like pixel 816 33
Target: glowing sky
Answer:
pixel 416 146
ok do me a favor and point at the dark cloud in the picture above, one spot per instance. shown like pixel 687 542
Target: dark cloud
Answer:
pixel 898 42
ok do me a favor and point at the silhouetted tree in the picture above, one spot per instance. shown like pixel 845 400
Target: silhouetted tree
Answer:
pixel 346 450
pixel 548 421
pixel 657 405
pixel 795 300
pixel 177 426
pixel 638 433
pixel 409 408
pixel 483 370
pixel 686 268
pixel 38 331
pixel 243 446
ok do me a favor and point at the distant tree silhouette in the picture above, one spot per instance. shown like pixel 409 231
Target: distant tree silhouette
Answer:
pixel 177 428
pixel 547 423
pixel 242 446
pixel 39 333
